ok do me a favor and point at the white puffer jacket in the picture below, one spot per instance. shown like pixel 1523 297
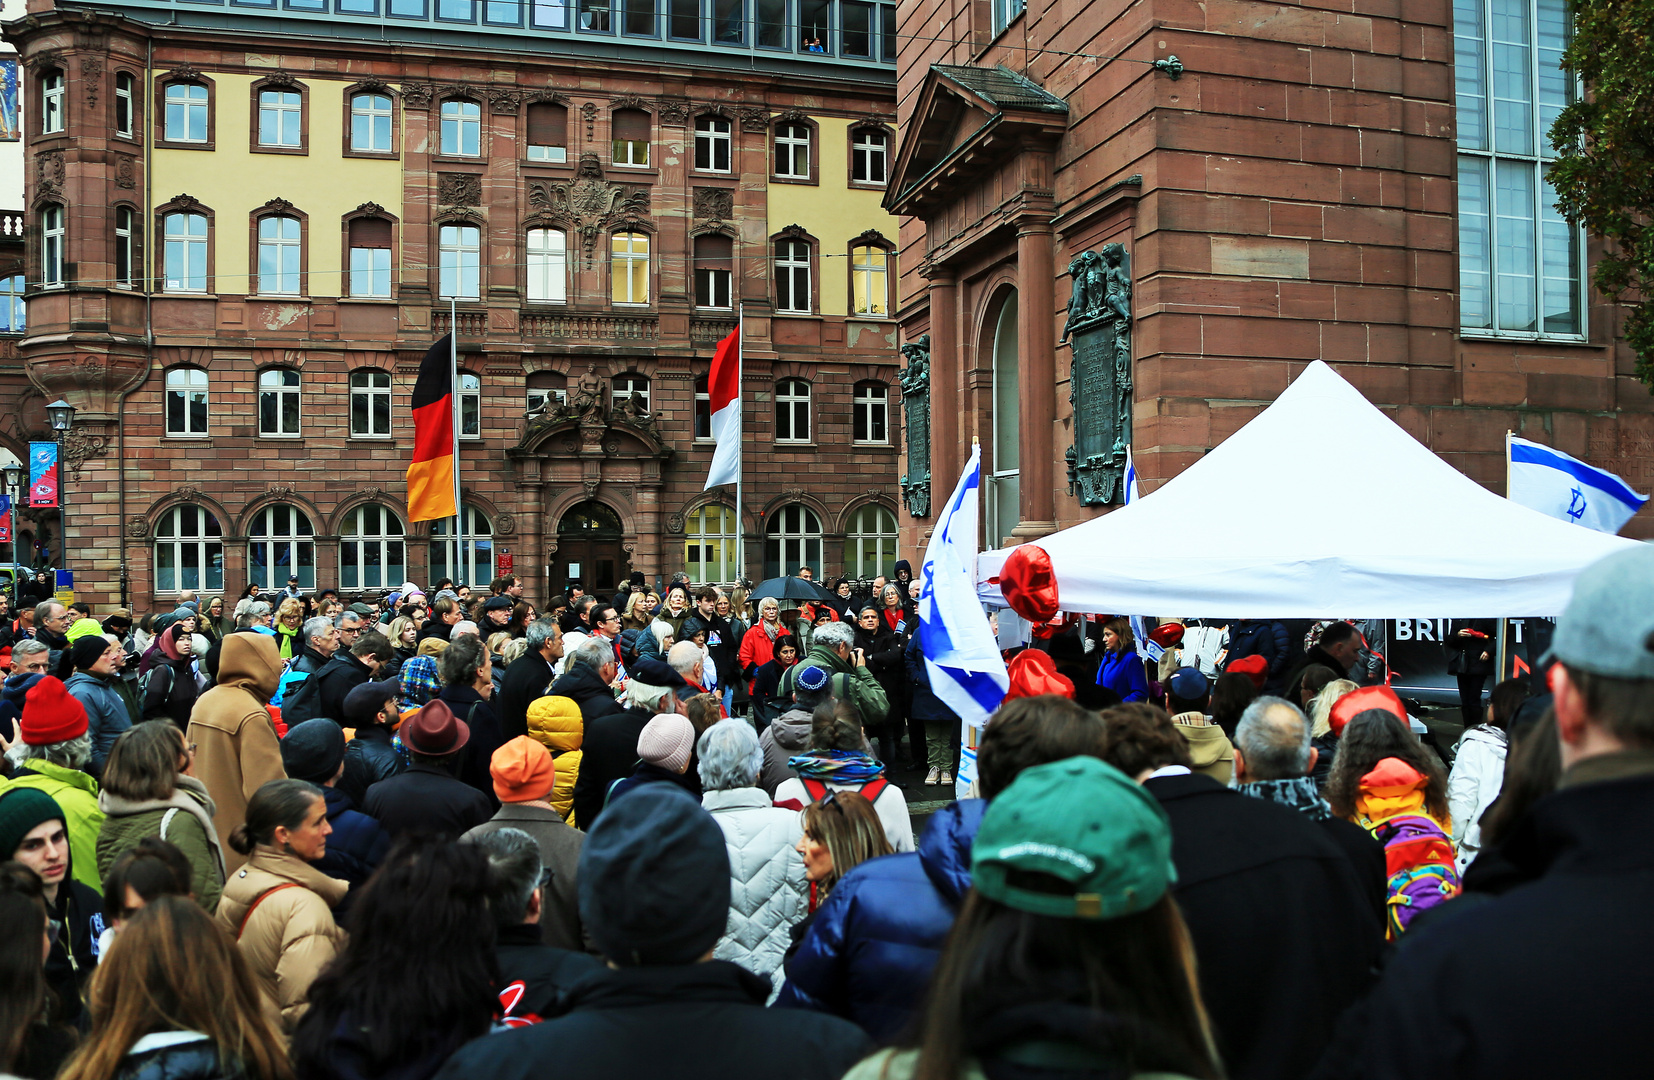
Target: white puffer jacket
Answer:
pixel 767 887
pixel 1477 777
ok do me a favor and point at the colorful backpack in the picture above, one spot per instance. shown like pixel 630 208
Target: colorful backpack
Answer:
pixel 1418 862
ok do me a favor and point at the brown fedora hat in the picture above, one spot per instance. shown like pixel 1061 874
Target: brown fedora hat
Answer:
pixel 435 731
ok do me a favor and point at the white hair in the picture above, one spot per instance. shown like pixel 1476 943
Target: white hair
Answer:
pixel 464 626
pixel 684 657
pixel 729 756
pixel 647 696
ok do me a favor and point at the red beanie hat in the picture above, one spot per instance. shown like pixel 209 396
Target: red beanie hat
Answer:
pixel 51 715
pixel 1032 673
pixel 1359 701
pixel 1255 668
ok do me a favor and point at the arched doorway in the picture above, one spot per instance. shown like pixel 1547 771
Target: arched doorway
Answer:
pixel 1005 471
pixel 588 549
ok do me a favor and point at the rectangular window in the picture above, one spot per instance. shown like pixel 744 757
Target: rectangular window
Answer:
pixel 184 254
pixel 868 150
pixel 629 268
pixel 815 27
pixel 357 7
pixel 714 262
pixel 186 113
pixel 630 135
pixel 772 24
pixel 548 265
pixel 594 16
pixel 686 20
pixel 52 90
pixel 792 411
pixel 124 219
pixel 729 21
pixel 278 404
pixel 370 257
pixel 1005 11
pixel 407 9
pixel 456 10
pixel 551 14
pixel 703 411
pixel 548 124
pixel 792 276
pixel 279 251
pixel 51 247
pixel 371 123
pixel 792 151
pixel 370 404
pixel 123 104
pixel 280 118
pixel 1520 262
pixel 461 128
pixel 887 33
pixel 460 255
pixel 869 282
pixel 870 423
pixel 639 16
pixel 502 13
pixel 857 39
pixel 712 143
pixel 186 393
pixel 470 406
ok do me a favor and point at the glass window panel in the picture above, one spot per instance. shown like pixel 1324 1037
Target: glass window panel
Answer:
pixel 1559 296
pixel 1514 244
pixel 887 33
pixel 772 24
pixel 640 17
pixel 857 37
pixel 1475 245
pixel 1512 77
pixel 729 21
pixel 1556 86
pixel 551 14
pixel 815 30
pixel 686 19
pixel 1470 73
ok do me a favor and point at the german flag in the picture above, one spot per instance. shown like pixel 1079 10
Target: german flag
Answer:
pixel 431 476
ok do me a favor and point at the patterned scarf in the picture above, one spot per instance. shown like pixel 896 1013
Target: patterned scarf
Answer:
pixel 1299 793
pixel 419 681
pixel 837 766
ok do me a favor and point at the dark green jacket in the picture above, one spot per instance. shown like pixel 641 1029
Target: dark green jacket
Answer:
pixel 126 821
pixel 848 683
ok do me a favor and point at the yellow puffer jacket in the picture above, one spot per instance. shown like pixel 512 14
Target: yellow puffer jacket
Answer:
pixel 555 722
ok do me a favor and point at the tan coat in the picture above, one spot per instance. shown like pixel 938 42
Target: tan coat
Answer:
pixel 237 751
pixel 291 936
pixel 1213 753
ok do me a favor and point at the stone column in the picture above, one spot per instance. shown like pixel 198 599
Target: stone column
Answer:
pixel 1037 376
pixel 946 377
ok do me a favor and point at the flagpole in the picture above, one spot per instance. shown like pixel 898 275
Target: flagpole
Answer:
pixel 453 383
pixel 740 460
pixel 1501 655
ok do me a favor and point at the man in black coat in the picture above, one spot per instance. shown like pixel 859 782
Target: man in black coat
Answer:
pixel 528 677
pixel 1337 649
pixel 1551 978
pixel 348 669
pixel 1285 934
pixel 427 798
pixel 654 893
pixel 1274 761
pixel 609 747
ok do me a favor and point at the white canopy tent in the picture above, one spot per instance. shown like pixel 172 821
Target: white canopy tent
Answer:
pixel 1253 530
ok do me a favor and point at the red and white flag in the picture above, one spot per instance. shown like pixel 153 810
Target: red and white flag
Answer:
pixel 724 388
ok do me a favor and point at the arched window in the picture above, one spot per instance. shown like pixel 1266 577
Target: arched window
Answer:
pixel 712 143
pixel 629 268
pixel 869 156
pixel 186 395
pixel 548 125
pixel 371 549
pixel 629 132
pixel 709 547
pixel 869 280
pixel 624 386
pixel 370 404
pixel 459 258
pixel 278 403
pixel 189 551
pixel 476 564
pixel 792 275
pixel 280 251
pixel 470 406
pixel 12 315
pixel 53 106
pixel 462 128
pixel 792 411
pixel 870 413
pixel 714 270
pixel 281 543
pixel 548 266
pixel 372 123
pixel 1004 502
pixel 871 542
pixel 792 539
pixel 126 230
pixel 52 238
pixel 184 252
pixel 370 257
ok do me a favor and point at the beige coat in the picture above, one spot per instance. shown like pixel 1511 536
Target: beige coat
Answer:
pixel 237 751
pixel 291 935
pixel 1213 753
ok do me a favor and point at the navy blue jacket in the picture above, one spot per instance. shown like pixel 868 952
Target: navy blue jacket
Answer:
pixel 1258 637
pixel 873 943
pixel 358 843
pixel 925 705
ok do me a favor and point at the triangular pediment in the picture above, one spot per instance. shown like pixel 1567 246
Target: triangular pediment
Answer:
pixel 957 111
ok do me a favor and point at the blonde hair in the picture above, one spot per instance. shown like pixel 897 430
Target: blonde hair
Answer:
pixel 1320 707
pixel 291 606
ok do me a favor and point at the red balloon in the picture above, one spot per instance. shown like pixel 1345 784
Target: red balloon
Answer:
pixel 1029 583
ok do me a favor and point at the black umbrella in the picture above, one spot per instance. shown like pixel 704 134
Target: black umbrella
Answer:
pixel 789 588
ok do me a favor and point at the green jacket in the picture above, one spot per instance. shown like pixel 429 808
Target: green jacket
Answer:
pixel 76 795
pixel 848 683
pixel 127 821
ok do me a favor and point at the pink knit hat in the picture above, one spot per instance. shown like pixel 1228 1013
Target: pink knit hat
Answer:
pixel 666 741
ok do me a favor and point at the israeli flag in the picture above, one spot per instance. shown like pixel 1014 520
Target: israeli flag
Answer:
pixel 961 656
pixel 1566 488
pixel 1131 479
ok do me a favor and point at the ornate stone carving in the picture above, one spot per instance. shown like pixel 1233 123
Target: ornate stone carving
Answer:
pixel 1099 332
pixel 278 206
pixel 49 172
pixel 76 445
pixel 137 528
pixel 915 379
pixel 91 75
pixel 417 95
pixel 503 102
pixel 504 524
pixel 589 204
pixel 588 113
pixel 629 101
pixel 458 189
pixel 372 493
pixel 590 484
pixel 279 78
pixel 871 236
pixel 374 86
pixel 714 203
pixel 281 491
pixel 674 524
pixel 794 231
pixel 182 201
pixel 792 115
pixel 371 209
pixel 755 120
pixel 187 494
pixel 125 173
pixel 552 97
pixel 674 112
pixel 183 73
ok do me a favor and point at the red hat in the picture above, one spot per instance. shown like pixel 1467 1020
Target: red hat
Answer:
pixel 434 731
pixel 1033 672
pixel 50 714
pixel 1255 668
pixel 1359 701
pixel 1167 635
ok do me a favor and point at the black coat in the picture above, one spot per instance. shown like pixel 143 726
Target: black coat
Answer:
pixel 79 913
pixel 171 692
pixel 426 799
pixel 1464 654
pixel 1316 655
pixel 334 683
pixel 546 972
pixel 886 662
pixel 527 679
pixel 370 757
pixel 486 738
pixel 608 752
pixel 690 1022
pixel 1285 936
pixel 1550 979
pixel 357 845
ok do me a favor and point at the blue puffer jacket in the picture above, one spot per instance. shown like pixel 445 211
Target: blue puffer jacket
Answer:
pixel 106 714
pixel 1123 673
pixel 925 705
pixel 874 942
pixel 1259 637
pixel 358 843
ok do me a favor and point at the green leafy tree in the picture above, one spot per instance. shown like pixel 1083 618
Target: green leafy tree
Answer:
pixel 1604 173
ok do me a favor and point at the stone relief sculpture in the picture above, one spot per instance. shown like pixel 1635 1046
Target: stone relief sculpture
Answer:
pixel 915 381
pixel 1099 332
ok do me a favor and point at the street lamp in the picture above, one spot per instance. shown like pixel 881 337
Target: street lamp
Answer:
pixel 62 415
pixel 14 488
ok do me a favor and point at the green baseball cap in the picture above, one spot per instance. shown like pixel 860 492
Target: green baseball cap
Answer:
pixel 1080 823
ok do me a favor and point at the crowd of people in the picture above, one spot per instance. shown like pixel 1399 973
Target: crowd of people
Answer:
pixel 446 835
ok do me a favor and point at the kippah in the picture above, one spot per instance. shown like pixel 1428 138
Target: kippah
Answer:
pixel 811 678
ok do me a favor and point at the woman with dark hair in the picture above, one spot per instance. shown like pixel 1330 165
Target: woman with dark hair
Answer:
pixel 1479 767
pixel 838 761
pixel 169 687
pixel 884 648
pixel 175 999
pixel 1121 669
pixel 278 907
pixel 765 705
pixel 1063 967
pixel 1359 792
pixel 391 1004
pixel 30 1046
pixel 150 789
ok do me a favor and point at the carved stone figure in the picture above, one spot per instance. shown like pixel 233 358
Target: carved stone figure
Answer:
pixel 589 204
pixel 588 393
pixel 915 380
pixel 1100 386
pixel 1085 300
